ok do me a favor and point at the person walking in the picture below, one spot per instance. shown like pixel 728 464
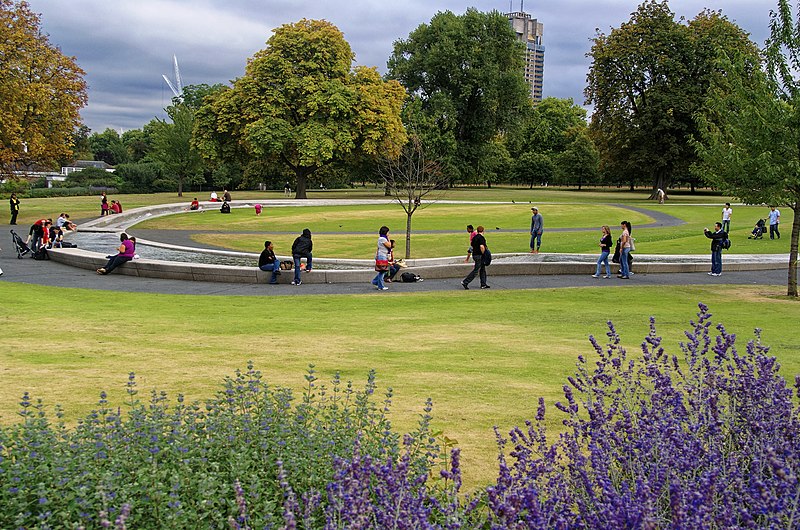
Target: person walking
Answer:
pixel 537 225
pixel 716 237
pixel 382 258
pixel 727 212
pixel 774 221
pixel 478 248
pixel 605 249
pixel 301 248
pixel 14 202
pixel 625 250
pixel 267 262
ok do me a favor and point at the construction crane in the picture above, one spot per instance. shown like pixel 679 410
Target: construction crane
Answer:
pixel 177 88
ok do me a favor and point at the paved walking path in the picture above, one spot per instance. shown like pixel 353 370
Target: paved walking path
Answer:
pixel 49 273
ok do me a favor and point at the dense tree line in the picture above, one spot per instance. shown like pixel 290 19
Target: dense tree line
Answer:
pixel 303 113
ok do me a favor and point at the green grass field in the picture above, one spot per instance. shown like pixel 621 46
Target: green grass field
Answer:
pixel 334 227
pixel 483 361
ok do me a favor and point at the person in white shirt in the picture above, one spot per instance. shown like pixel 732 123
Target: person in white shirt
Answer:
pixel 726 217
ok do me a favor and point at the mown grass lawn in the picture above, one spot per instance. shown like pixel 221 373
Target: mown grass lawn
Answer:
pixel 346 231
pixel 484 358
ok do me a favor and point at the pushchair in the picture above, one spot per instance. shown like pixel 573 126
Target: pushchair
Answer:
pixel 20 245
pixel 758 230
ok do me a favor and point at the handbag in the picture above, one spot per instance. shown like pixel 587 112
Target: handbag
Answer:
pixel 633 245
pixel 487 257
pixel 381 265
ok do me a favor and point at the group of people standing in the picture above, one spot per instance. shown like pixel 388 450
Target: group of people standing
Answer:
pixel 106 208
pixel 622 252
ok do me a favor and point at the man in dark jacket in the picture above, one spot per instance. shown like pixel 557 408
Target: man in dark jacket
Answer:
pixel 717 237
pixel 267 262
pixel 478 248
pixel 301 248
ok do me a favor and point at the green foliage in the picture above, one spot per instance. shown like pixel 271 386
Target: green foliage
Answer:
pixel 144 177
pixel 466 76
pixel 92 176
pixel 173 150
pixel 300 105
pixel 648 80
pixel 176 464
pixel 751 129
pixel 108 147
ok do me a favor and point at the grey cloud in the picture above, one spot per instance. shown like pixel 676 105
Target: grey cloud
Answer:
pixel 125 45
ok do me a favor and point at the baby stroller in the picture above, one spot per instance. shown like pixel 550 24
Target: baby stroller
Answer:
pixel 20 245
pixel 758 230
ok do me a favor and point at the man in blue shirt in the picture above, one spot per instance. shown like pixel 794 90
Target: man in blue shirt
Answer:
pixel 774 221
pixel 537 225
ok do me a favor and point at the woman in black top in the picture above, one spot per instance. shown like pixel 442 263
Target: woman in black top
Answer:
pixel 605 249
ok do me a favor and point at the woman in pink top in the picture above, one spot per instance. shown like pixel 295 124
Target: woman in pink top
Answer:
pixel 126 249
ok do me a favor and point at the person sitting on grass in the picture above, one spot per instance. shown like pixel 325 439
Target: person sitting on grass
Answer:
pixel 126 251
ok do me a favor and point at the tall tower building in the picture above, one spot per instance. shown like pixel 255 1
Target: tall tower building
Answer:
pixel 530 32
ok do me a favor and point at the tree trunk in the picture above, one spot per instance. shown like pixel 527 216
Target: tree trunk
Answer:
pixel 302 181
pixel 792 287
pixel 408 233
pixel 180 187
pixel 488 183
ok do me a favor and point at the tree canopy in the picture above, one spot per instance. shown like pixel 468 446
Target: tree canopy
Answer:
pixel 466 78
pixel 41 92
pixel 648 80
pixel 751 127
pixel 302 105
pixel 172 148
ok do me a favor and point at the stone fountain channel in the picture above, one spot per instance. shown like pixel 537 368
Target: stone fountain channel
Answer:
pixel 99 237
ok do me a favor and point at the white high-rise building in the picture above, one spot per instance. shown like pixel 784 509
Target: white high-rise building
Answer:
pixel 530 32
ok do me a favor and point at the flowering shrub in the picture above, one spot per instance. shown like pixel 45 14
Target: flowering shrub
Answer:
pixel 710 439
pixel 180 466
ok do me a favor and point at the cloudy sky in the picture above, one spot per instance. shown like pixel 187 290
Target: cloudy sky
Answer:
pixel 126 45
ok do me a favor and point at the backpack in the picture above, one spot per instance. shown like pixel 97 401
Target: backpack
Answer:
pixel 41 254
pixel 409 277
pixel 487 257
pixel 726 244
pixel 226 208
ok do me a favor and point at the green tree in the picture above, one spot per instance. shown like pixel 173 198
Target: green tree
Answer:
pixel 108 147
pixel 578 162
pixel 547 132
pixel 138 143
pixel 173 150
pixel 194 95
pixel 648 80
pixel 41 92
pixel 410 177
pixel 750 144
pixel 546 127
pixel 466 74
pixel 534 167
pixel 302 105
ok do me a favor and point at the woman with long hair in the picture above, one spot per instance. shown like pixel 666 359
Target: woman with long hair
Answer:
pixel 605 249
pixel 382 258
